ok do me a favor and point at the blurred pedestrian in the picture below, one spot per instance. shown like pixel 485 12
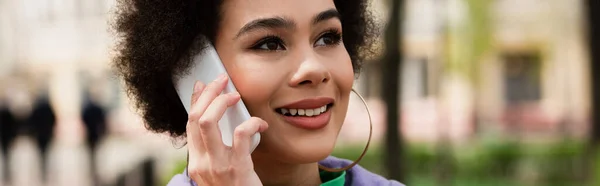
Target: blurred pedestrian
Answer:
pixel 94 120
pixel 42 121
pixel 8 133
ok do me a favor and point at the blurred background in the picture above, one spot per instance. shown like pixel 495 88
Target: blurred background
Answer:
pixel 464 92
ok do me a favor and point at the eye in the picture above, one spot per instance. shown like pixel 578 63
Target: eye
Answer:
pixel 269 43
pixel 332 37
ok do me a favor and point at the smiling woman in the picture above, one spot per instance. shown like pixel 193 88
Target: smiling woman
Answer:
pixel 292 62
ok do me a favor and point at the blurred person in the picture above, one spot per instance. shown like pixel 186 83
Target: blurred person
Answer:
pixel 41 123
pixel 282 55
pixel 8 133
pixel 14 106
pixel 94 120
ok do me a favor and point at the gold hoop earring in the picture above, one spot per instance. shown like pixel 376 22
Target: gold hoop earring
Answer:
pixel 366 146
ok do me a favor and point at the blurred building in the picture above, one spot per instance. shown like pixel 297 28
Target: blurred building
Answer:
pixel 531 79
pixel 64 45
pixel 539 66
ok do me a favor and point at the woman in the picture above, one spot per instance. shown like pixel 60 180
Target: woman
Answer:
pixel 281 55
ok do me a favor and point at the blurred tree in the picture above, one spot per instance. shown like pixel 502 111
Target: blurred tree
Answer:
pixel 480 43
pixel 468 36
pixel 391 67
pixel 468 33
pixel 593 18
pixel 467 40
pixel 594 47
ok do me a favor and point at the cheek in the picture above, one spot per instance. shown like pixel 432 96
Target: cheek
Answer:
pixel 343 74
pixel 342 71
pixel 255 81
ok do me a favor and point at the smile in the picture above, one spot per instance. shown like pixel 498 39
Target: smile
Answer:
pixel 309 114
pixel 304 112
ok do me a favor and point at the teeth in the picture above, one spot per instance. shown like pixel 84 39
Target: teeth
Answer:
pixel 317 111
pixel 304 112
pixel 309 112
pixel 293 111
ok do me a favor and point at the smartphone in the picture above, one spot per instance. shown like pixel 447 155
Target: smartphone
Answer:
pixel 206 67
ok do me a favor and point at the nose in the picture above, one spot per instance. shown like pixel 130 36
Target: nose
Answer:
pixel 311 72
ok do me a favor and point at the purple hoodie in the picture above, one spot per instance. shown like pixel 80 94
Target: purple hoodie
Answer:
pixel 355 176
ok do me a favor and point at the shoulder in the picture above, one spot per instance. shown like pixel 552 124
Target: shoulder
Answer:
pixel 357 175
pixel 181 180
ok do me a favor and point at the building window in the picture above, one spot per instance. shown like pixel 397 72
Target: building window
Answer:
pixel 522 77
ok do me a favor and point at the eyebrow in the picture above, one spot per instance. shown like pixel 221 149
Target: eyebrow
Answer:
pixel 326 15
pixel 266 23
pixel 281 22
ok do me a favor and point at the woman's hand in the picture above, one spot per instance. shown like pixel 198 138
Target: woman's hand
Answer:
pixel 210 161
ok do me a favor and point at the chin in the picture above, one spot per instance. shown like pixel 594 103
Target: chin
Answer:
pixel 310 151
pixel 297 146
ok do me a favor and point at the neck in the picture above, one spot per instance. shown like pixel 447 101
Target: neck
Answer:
pixel 274 172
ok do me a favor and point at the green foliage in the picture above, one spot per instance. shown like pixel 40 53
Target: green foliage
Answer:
pixel 488 163
pixel 561 163
pixel 469 40
pixel 492 160
pixel 422 159
pixel 596 179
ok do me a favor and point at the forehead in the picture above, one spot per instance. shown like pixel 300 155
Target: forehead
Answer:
pixel 236 13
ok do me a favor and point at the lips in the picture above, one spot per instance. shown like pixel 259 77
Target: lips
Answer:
pixel 308 113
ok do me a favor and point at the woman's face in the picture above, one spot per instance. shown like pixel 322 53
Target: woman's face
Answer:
pixel 287 60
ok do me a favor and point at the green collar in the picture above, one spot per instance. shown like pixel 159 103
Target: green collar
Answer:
pixel 332 178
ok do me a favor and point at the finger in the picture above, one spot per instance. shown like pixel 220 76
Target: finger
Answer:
pixel 192 129
pixel 198 87
pixel 242 136
pixel 194 140
pixel 195 143
pixel 209 123
pixel 207 95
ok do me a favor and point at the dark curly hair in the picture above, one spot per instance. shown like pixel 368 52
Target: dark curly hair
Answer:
pixel 156 40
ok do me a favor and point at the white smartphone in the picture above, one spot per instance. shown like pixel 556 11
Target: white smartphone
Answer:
pixel 206 67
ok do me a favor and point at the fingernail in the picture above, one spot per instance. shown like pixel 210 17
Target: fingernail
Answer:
pixel 234 94
pixel 197 86
pixel 222 76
